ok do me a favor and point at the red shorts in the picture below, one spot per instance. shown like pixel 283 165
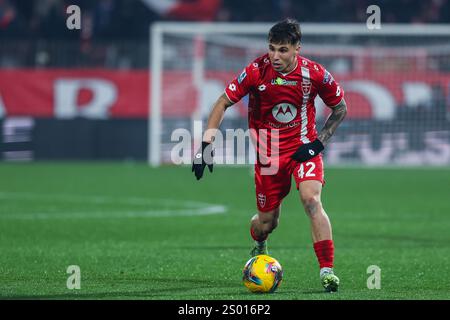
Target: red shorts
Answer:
pixel 273 187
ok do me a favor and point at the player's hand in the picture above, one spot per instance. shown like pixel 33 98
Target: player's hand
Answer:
pixel 203 158
pixel 308 151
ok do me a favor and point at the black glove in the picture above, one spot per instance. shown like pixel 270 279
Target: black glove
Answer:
pixel 203 158
pixel 308 151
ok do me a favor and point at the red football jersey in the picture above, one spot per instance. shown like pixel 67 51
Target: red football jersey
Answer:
pixel 284 102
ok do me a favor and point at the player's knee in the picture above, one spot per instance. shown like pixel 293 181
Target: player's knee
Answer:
pixel 312 204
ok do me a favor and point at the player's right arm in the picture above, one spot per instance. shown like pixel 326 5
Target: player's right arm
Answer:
pixel 216 116
pixel 235 91
pixel 204 156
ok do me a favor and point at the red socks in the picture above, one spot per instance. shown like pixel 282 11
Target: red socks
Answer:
pixel 324 250
pixel 255 237
pixel 325 253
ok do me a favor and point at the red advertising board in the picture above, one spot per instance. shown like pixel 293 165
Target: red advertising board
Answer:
pixel 98 93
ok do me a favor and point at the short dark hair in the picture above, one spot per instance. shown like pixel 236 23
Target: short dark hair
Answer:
pixel 286 31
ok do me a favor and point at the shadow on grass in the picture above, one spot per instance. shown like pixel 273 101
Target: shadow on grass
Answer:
pixel 167 289
pixel 240 247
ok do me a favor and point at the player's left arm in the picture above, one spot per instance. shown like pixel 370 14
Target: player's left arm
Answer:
pixel 337 115
pixel 312 149
pixel 330 91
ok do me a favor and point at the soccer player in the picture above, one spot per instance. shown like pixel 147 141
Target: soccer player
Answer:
pixel 282 86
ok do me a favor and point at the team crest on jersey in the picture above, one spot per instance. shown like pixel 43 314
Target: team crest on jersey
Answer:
pixel 262 199
pixel 284 112
pixel 306 87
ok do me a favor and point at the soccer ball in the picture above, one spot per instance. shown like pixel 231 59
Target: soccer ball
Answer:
pixel 262 274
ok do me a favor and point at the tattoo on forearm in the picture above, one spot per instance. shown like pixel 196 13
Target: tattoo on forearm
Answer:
pixel 333 121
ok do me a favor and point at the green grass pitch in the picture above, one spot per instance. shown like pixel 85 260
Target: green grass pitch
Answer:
pixel 142 233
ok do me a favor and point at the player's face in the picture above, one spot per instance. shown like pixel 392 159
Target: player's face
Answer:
pixel 283 56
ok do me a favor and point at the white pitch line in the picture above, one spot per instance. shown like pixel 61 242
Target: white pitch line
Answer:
pixel 171 207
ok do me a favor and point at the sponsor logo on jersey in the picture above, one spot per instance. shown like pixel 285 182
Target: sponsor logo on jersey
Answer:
pixel 292 124
pixel 262 199
pixel 327 78
pixel 284 112
pixel 282 82
pixel 242 77
pixel 262 87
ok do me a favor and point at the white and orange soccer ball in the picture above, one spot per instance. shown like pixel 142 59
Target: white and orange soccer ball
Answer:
pixel 262 274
